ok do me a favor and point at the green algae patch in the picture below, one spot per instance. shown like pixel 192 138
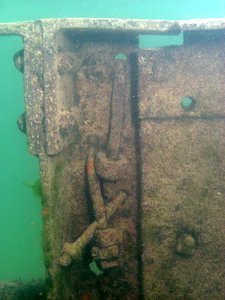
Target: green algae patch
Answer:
pixel 36 188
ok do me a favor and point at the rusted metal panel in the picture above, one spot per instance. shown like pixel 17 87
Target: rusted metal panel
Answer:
pixel 131 150
pixel 90 180
pixel 182 119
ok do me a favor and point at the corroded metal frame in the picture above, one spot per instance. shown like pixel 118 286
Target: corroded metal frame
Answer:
pixel 47 125
pixel 37 36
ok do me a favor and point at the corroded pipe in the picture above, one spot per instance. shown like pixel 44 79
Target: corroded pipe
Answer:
pixel 74 250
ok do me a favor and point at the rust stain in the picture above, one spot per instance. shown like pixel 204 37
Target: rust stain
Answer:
pixel 91 166
pixel 85 297
pixel 44 211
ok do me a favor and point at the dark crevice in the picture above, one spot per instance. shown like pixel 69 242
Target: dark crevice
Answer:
pixel 110 117
pixel 137 136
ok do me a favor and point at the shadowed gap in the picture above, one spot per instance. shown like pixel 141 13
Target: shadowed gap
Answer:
pixel 136 124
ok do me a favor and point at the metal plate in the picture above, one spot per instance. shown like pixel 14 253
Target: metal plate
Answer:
pixel 183 170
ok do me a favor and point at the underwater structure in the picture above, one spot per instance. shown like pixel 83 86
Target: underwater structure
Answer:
pixel 131 144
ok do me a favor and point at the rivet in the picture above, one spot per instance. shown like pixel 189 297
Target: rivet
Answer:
pixel 186 245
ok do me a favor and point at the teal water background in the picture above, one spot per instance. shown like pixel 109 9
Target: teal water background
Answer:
pixel 20 210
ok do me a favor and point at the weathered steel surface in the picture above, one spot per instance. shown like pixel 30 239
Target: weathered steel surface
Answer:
pixel 183 169
pixel 82 71
pixel 131 149
pixel 137 26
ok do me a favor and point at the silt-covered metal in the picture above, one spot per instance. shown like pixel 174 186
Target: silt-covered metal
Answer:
pixel 131 149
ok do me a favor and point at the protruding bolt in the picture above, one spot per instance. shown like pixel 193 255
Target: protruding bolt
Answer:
pixel 21 123
pixel 186 245
pixel 19 60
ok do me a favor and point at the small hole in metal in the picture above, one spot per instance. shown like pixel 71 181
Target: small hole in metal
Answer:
pixel 188 103
pixel 121 56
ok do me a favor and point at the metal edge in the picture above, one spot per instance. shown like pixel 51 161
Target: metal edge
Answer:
pixel 144 26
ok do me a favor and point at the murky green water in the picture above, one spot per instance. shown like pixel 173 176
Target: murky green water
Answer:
pixel 20 210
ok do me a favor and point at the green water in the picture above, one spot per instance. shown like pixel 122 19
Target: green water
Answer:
pixel 20 210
